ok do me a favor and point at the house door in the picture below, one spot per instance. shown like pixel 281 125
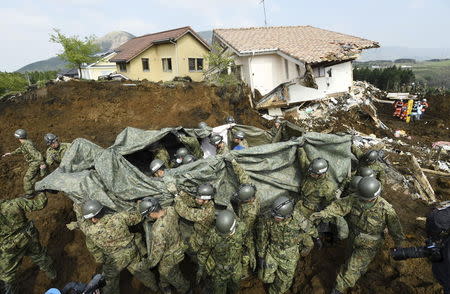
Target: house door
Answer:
pixel 262 77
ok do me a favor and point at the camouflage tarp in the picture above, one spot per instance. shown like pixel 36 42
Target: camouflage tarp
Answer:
pixel 108 175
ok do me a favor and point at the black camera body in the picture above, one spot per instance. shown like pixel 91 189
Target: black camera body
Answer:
pixel 432 251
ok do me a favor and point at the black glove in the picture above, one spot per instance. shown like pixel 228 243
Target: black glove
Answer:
pixel 318 243
pixel 261 262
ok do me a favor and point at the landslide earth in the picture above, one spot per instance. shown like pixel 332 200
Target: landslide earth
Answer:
pixel 99 111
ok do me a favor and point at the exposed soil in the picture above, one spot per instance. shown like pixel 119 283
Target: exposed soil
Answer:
pixel 99 111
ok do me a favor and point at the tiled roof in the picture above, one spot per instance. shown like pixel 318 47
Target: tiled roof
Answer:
pixel 305 43
pixel 136 46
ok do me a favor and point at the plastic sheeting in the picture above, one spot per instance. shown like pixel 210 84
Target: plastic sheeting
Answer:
pixel 88 171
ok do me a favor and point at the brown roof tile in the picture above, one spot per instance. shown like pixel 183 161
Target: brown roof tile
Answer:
pixel 305 43
pixel 136 46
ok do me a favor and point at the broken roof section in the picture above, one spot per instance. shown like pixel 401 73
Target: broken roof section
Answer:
pixel 304 43
pixel 129 50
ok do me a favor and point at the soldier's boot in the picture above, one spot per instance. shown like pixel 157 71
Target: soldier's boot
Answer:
pixel 334 291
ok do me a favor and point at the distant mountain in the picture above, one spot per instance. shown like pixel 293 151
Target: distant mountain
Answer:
pixel 392 53
pixel 108 42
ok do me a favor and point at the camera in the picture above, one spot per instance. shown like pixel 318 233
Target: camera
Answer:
pixel 432 251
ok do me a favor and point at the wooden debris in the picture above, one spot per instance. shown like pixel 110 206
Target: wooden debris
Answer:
pixel 436 172
pixel 428 192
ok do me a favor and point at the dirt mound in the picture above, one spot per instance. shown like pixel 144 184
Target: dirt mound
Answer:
pixel 98 112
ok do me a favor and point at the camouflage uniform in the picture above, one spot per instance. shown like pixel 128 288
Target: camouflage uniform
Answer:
pixel 56 155
pixel 167 251
pixel 367 221
pixel 223 150
pixel 248 212
pixel 221 255
pixel 281 244
pixel 113 245
pixel 378 167
pixel 280 134
pixel 161 153
pixel 19 237
pixel 34 159
pixel 240 173
pixel 201 215
pixel 192 144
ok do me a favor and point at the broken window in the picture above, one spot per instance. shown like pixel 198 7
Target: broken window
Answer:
pixel 145 64
pixel 286 65
pixel 319 71
pixel 330 73
pixel 122 66
pixel 167 64
pixel 195 64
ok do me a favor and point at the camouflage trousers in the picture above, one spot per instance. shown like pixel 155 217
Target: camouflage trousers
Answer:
pixel 27 245
pixel 356 266
pixel 170 273
pixel 31 177
pixel 226 279
pixel 131 259
pixel 280 268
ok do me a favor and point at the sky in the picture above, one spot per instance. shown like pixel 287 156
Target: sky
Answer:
pixel 25 25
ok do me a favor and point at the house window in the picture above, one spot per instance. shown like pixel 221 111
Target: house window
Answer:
pixel 145 64
pixel 297 68
pixel 286 66
pixel 122 66
pixel 319 71
pixel 195 64
pixel 167 64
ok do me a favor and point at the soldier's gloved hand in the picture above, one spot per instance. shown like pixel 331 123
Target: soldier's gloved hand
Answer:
pixel 301 142
pixel 172 188
pixel 261 262
pixel 318 243
pixel 199 275
pixel 42 166
pixel 228 157
pixel 315 217
pixel 6 154
pixel 72 226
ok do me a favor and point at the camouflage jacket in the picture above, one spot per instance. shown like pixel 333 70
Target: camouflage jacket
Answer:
pixel 303 160
pixel 370 218
pixel 248 212
pixel 111 233
pixel 276 236
pixel 56 155
pixel 162 154
pixel 240 173
pixel 377 166
pixel 166 238
pixel 224 150
pixel 192 145
pixel 280 134
pixel 31 154
pixel 317 193
pixel 14 222
pixel 223 252
pixel 201 215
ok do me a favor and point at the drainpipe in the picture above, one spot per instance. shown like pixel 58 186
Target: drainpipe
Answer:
pixel 251 71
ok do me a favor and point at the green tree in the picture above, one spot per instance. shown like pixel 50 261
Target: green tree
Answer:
pixel 219 62
pixel 12 82
pixel 76 51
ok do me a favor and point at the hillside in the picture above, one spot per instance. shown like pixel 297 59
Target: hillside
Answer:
pixel 392 53
pixel 108 42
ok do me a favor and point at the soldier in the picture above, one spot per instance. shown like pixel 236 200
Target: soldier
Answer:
pixel 249 208
pixel 34 159
pixel 278 131
pixel 198 209
pixel 19 237
pixel 280 242
pixel 188 159
pixel 370 159
pixel 239 140
pixel 112 244
pixel 56 150
pixel 364 171
pixel 160 152
pixel 221 253
pixel 167 247
pixel 158 170
pixel 191 143
pixel 368 215
pixel 179 156
pixel 217 141
pixel 230 120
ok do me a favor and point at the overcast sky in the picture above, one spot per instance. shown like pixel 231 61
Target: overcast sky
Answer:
pixel 25 25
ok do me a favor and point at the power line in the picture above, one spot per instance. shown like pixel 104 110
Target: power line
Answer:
pixel 265 15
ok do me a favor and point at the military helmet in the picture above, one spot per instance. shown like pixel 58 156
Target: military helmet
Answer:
pixel 365 171
pixel 424 100
pixel 354 183
pixel 205 192
pixel 239 135
pixel 215 139
pixel 246 192
pixel 91 208
pixel 188 159
pixel 181 152
pixel 20 134
pixel 318 166
pixel 202 125
pixel 230 120
pixel 369 188
pixel 282 207
pixel 371 156
pixel 148 205
pixel 50 138
pixel 156 165
pixel 225 222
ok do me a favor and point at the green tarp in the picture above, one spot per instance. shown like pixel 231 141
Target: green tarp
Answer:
pixel 89 171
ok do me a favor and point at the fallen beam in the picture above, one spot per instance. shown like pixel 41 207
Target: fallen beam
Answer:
pixel 422 179
pixel 436 172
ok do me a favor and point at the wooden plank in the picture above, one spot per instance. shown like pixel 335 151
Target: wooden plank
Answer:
pixel 436 172
pixel 422 179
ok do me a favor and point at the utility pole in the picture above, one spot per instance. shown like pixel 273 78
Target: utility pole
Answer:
pixel 265 16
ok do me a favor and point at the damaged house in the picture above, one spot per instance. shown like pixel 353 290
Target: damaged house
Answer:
pixel 290 65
